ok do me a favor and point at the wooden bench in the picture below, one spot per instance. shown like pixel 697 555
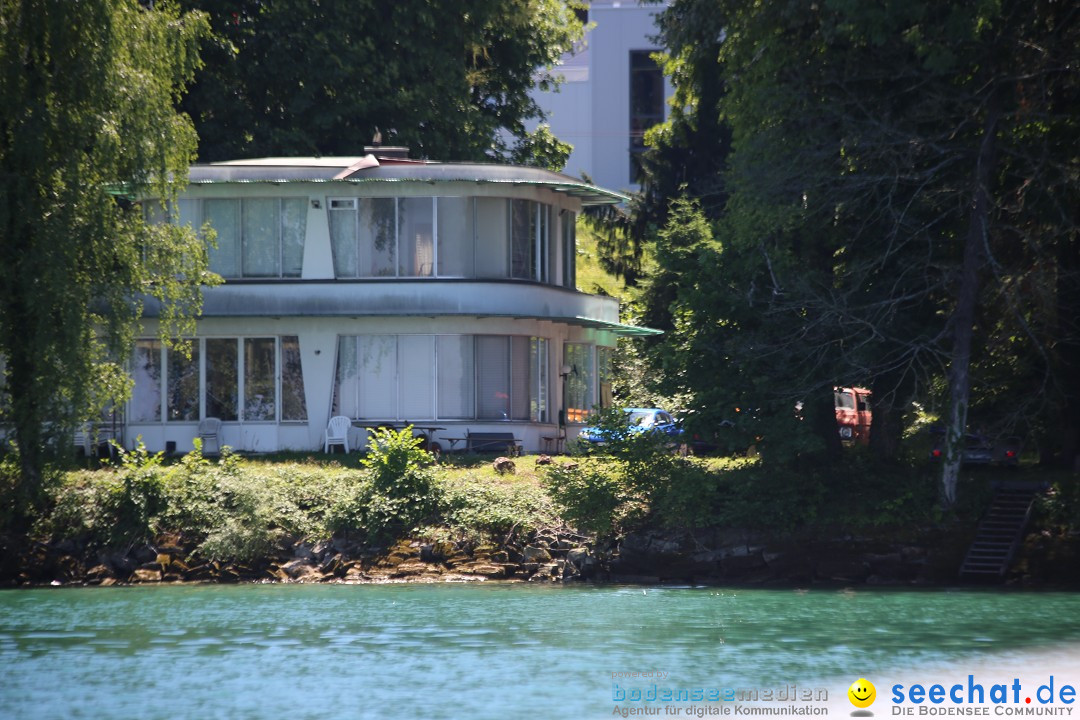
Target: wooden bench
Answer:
pixel 492 442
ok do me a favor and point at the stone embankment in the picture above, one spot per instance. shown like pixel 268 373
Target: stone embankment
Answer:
pixel 545 557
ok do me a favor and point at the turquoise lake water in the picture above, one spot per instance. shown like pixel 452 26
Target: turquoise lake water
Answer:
pixel 469 651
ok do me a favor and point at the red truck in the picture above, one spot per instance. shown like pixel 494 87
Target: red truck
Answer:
pixel 853 414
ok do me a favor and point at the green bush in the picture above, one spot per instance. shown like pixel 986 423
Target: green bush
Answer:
pixel 483 508
pixel 594 496
pixel 403 491
pixel 115 507
pixel 644 480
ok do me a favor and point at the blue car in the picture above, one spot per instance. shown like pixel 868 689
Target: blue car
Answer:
pixel 639 420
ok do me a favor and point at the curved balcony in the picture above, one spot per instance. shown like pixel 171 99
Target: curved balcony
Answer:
pixel 409 297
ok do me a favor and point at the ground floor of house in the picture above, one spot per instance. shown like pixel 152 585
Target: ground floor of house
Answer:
pixel 275 382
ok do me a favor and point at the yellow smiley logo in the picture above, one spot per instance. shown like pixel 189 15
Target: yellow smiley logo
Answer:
pixel 862 693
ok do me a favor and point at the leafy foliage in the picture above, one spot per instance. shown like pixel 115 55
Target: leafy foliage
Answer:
pixel 291 77
pixel 88 124
pixel 854 194
pixel 642 479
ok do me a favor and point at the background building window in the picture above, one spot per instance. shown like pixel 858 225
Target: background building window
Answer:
pixel 646 104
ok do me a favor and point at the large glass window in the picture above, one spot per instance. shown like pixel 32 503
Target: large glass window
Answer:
pixel 222 375
pixel 538 383
pixel 233 379
pixel 146 372
pixel 343 218
pixel 416 370
pixel 604 376
pixel 261 254
pixel 440 237
pixel 182 395
pixel 492 221
pixel 256 237
pixel 455 236
pixel 421 377
pixel 224 217
pixel 455 380
pixel 522 238
pixel 383 237
pixel 492 377
pixel 259 381
pixel 293 400
pixel 529 240
pixel 416 237
pixel 579 383
pixel 376 360
pixel 569 250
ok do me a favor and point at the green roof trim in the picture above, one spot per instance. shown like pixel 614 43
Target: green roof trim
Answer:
pixel 617 328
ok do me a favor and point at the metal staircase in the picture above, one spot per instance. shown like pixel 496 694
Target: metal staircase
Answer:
pixel 1000 532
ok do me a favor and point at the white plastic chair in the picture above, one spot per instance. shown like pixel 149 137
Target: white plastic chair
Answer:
pixel 209 430
pixel 337 433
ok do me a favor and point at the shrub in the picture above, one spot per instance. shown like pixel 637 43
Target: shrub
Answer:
pixel 483 507
pixel 403 491
pixel 594 496
pixel 113 508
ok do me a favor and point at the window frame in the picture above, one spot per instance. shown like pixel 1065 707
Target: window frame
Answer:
pixel 199 215
pixel 241 389
pixel 538 382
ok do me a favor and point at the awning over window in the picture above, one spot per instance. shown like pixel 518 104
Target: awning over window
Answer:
pixel 617 328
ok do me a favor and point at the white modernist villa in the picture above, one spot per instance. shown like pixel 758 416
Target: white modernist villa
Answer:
pixel 387 290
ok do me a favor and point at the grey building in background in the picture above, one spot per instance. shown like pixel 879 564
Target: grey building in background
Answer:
pixel 613 91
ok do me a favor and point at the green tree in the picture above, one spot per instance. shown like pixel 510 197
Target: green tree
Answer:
pixel 292 77
pixel 898 182
pixel 88 125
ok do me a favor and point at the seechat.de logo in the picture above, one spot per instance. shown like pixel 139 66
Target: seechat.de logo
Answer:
pixel 862 693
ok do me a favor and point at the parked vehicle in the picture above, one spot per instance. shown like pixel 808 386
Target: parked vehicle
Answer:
pixel 853 416
pixel 638 420
pixel 979 449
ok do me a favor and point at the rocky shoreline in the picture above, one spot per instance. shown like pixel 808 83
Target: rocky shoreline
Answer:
pixel 710 557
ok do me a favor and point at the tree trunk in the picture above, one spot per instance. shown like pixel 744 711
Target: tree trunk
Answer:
pixel 963 318
pixel 822 409
pixel 890 396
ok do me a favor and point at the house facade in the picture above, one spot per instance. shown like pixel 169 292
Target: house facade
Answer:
pixel 387 290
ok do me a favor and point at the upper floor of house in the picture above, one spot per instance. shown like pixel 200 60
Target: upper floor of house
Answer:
pixel 290 231
pixel 389 218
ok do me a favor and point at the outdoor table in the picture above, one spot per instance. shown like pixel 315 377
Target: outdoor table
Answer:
pixel 427 431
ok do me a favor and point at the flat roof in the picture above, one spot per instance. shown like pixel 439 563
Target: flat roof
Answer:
pixel 372 169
